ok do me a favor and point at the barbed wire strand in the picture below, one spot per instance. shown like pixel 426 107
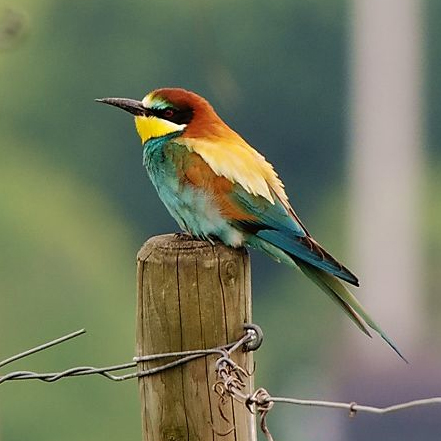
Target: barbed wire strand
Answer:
pixel 231 377
pixel 231 382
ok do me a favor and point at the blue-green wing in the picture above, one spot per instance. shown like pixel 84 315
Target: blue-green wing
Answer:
pixel 282 229
pixel 276 228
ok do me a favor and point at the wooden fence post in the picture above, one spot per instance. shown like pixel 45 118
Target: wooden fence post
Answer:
pixel 191 295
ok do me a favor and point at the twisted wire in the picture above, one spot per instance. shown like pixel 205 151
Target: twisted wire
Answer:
pixel 231 377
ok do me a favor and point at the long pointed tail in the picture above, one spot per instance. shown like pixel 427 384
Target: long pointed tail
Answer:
pixel 345 299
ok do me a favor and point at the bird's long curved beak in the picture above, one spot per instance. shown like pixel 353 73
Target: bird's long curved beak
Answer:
pixel 132 106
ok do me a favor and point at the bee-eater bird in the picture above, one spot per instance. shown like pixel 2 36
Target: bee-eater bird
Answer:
pixel 216 185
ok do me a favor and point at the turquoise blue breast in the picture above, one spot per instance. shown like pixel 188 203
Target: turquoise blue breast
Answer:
pixel 194 210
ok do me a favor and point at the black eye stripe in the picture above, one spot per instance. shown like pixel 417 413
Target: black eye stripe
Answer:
pixel 178 116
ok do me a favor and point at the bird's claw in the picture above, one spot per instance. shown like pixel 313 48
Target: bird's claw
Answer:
pixel 183 235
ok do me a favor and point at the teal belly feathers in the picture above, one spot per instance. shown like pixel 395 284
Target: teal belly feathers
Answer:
pixel 195 211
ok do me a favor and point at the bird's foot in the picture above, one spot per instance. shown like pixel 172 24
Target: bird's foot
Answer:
pixel 183 235
pixel 211 240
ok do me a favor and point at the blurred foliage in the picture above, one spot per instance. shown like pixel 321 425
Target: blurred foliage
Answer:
pixel 76 204
pixel 432 248
pixel 66 262
pixel 432 65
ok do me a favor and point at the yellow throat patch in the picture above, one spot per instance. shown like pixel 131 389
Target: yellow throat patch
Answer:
pixel 149 127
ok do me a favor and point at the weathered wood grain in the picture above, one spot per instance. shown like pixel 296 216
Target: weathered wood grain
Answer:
pixel 191 295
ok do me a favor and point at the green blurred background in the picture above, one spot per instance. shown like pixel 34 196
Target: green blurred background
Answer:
pixel 76 205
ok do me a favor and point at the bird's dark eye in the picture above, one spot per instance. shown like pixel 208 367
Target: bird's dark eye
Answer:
pixel 168 113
